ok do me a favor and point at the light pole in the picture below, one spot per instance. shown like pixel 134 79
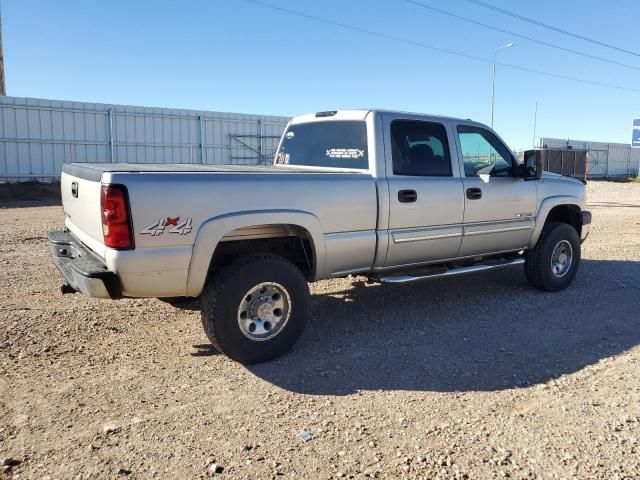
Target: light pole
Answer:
pixel 493 78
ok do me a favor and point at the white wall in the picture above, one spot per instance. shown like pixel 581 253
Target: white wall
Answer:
pixel 37 136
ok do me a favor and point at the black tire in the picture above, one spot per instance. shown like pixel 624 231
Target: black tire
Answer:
pixel 538 266
pixel 226 289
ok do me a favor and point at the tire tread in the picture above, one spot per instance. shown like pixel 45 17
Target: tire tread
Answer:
pixel 215 287
pixel 535 266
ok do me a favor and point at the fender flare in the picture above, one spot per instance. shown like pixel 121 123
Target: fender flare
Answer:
pixel 211 232
pixel 543 212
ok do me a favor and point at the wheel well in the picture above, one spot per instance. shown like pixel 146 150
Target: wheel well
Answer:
pixel 286 241
pixel 566 214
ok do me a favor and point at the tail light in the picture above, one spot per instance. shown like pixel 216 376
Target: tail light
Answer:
pixel 116 225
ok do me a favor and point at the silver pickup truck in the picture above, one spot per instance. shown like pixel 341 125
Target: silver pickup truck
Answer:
pixel 394 196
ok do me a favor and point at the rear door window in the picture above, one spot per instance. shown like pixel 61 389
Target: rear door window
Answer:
pixel 337 144
pixel 420 149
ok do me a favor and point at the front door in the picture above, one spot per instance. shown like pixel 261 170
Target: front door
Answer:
pixel 426 198
pixel 499 207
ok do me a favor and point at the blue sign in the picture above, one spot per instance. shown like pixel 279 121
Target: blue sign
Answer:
pixel 635 136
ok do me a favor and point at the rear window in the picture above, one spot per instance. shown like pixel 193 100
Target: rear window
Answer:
pixel 420 148
pixel 338 144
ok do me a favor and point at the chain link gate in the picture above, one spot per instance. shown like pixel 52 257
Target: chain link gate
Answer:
pixel 598 163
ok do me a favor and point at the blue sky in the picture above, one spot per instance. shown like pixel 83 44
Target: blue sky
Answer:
pixel 229 55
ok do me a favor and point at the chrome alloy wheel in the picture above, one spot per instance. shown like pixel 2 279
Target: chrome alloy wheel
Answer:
pixel 561 258
pixel 264 311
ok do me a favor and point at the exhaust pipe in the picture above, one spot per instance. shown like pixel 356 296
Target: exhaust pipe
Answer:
pixel 66 288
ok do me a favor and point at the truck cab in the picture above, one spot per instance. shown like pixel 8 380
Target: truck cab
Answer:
pixel 447 188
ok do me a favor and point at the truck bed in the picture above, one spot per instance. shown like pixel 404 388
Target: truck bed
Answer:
pixel 208 204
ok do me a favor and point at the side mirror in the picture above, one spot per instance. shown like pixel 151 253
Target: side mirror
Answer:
pixel 531 168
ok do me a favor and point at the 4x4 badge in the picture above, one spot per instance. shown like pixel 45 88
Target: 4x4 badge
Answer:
pixel 160 226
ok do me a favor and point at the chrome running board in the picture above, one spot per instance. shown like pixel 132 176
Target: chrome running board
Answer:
pixel 449 273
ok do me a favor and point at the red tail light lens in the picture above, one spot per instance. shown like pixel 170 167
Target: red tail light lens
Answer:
pixel 115 217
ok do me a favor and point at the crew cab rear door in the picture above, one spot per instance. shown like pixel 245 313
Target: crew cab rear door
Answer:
pixel 426 201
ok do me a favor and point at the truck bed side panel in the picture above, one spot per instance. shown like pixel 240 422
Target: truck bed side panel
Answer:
pixel 344 206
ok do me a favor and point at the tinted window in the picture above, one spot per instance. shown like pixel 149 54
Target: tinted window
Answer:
pixel 340 144
pixel 483 153
pixel 420 148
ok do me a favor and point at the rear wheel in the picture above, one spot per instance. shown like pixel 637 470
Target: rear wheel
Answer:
pixel 552 264
pixel 255 309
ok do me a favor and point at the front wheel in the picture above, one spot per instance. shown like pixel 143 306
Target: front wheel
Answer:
pixel 552 264
pixel 255 309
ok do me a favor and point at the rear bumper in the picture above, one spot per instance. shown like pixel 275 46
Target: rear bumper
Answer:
pixel 585 219
pixel 83 271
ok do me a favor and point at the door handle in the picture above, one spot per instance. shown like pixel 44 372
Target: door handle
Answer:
pixel 407 196
pixel 474 193
pixel 74 189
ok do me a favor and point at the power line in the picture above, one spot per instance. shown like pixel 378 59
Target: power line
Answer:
pixel 514 34
pixel 437 49
pixel 551 27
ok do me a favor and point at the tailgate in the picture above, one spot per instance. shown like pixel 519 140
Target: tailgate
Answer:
pixel 81 204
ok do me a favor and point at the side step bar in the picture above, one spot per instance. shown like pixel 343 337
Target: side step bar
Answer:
pixel 449 273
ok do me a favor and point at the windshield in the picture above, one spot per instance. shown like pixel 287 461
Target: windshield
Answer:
pixel 337 143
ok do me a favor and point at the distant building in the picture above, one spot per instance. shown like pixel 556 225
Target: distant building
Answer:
pixel 605 159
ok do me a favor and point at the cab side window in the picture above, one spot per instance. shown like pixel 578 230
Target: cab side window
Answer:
pixel 420 149
pixel 483 153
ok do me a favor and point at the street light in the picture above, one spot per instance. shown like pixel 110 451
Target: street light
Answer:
pixel 493 78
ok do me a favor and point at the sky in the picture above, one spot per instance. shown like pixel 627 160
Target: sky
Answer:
pixel 235 56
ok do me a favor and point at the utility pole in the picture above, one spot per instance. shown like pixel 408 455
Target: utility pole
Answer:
pixel 3 88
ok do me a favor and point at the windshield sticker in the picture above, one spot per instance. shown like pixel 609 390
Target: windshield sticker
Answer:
pixel 282 158
pixel 290 135
pixel 345 153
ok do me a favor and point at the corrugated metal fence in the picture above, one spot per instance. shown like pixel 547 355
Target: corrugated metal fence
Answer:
pixel 605 159
pixel 38 136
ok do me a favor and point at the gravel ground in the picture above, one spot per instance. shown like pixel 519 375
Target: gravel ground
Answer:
pixel 474 377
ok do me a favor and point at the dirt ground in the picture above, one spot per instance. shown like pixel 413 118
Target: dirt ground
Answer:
pixel 474 377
